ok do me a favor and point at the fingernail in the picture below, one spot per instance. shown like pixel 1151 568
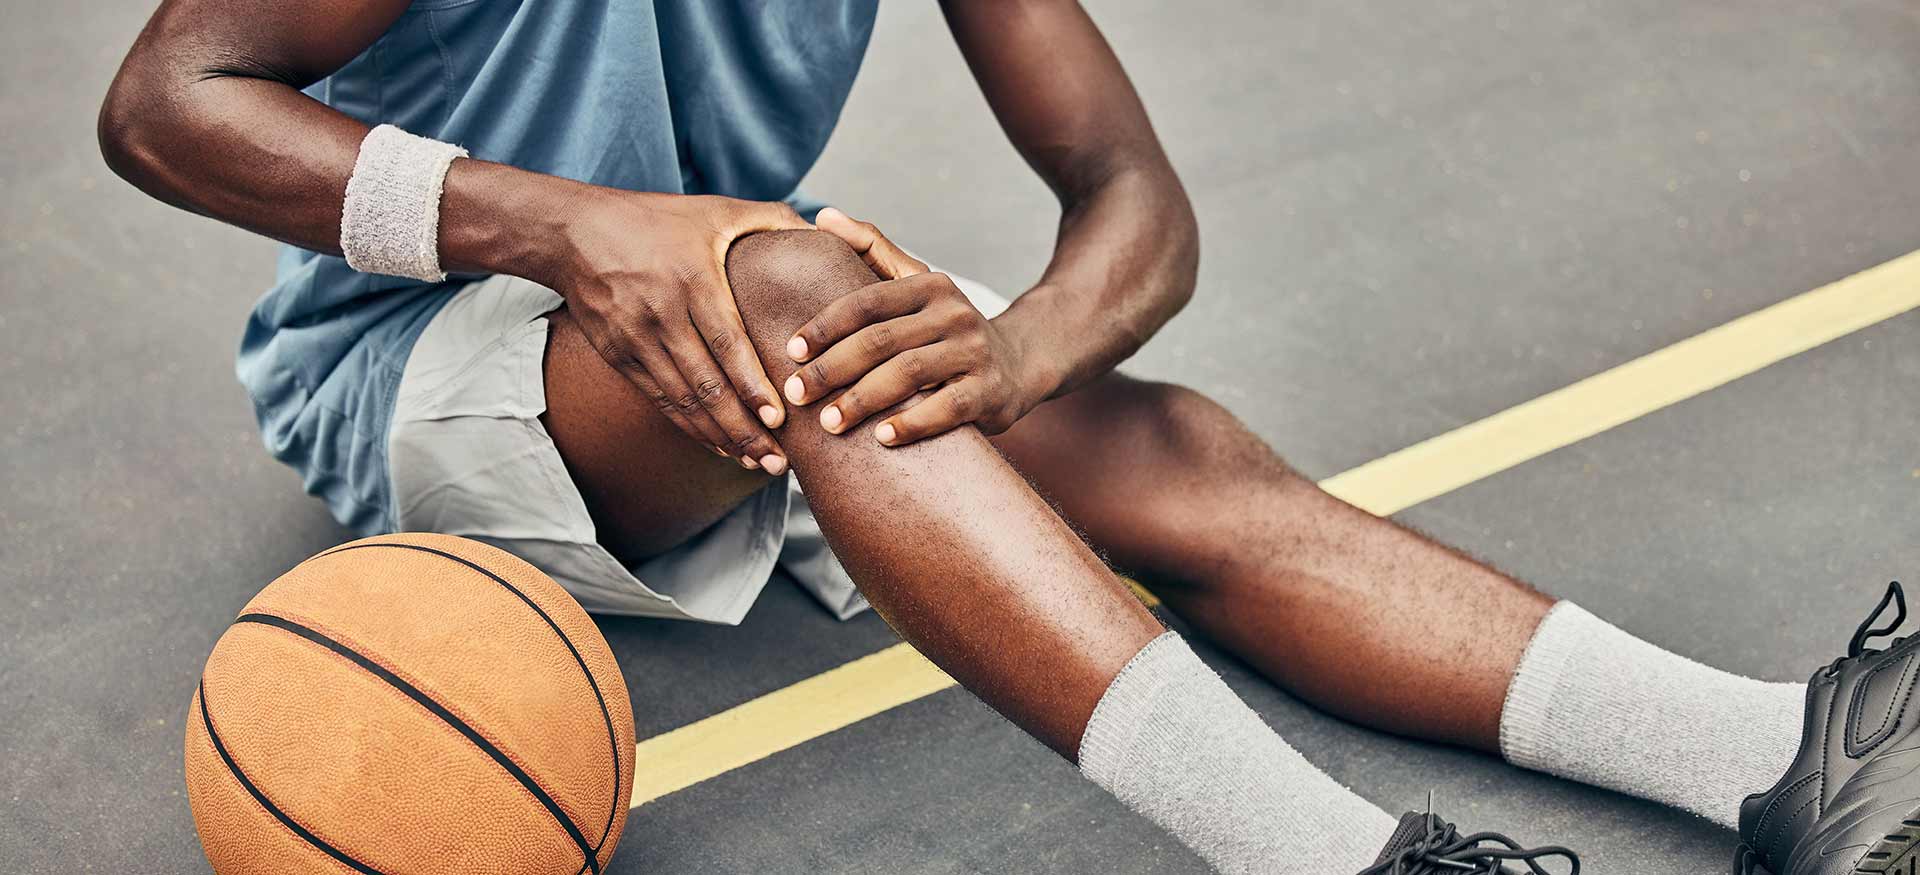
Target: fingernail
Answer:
pixel 748 462
pixel 830 418
pixel 796 390
pixel 774 464
pixel 797 349
pixel 884 432
pixel 770 415
pixel 718 452
pixel 828 211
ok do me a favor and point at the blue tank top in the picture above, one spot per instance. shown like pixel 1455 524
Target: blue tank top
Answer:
pixel 689 96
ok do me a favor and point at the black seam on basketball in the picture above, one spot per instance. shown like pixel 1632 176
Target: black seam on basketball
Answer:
pixel 613 741
pixel 446 716
pixel 206 718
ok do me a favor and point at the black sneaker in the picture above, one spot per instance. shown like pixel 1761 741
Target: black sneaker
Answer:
pixel 1424 844
pixel 1850 803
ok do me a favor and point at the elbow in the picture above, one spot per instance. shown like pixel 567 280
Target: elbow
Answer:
pixel 120 131
pixel 130 126
pixel 1183 234
pixel 1163 218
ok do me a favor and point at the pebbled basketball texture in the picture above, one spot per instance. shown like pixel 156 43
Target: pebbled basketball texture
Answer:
pixel 410 704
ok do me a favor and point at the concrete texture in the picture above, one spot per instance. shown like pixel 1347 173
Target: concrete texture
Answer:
pixel 1414 216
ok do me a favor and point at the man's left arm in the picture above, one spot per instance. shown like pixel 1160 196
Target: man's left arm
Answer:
pixel 1128 246
pixel 1123 263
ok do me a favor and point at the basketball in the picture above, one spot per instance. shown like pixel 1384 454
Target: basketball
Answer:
pixel 409 704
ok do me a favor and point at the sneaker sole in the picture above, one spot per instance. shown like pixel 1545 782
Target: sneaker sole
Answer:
pixel 1896 854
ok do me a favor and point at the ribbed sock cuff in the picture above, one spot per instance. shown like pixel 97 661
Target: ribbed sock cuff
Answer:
pixel 1524 718
pixel 1120 720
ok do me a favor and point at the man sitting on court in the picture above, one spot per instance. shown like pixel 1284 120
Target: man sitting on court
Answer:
pixel 645 351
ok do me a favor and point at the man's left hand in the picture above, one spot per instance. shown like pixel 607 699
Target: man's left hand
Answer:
pixel 912 331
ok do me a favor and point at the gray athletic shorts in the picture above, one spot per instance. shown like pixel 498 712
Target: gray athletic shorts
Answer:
pixel 468 456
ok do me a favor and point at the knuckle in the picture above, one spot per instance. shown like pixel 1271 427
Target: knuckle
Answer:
pixel 915 369
pixel 945 300
pixel 723 343
pixel 649 315
pixel 879 340
pixel 708 391
pixel 972 343
pixel 621 343
pixel 963 314
pixel 659 398
pixel 615 352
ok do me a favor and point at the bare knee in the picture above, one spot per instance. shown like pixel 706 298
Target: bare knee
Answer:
pixel 780 279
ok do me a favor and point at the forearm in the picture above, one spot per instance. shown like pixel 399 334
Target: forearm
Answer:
pixel 1124 263
pixel 283 164
pixel 1128 247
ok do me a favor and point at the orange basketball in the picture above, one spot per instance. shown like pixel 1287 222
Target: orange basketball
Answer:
pixel 410 704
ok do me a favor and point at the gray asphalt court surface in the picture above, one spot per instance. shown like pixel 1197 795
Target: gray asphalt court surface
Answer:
pixel 1414 216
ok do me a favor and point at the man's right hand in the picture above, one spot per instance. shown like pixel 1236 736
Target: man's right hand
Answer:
pixel 646 281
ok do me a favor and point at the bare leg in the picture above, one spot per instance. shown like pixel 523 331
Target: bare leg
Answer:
pixel 971 566
pixel 1358 615
pixel 648 486
pixel 945 539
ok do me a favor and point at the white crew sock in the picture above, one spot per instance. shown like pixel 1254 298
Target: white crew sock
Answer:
pixel 1173 742
pixel 1594 704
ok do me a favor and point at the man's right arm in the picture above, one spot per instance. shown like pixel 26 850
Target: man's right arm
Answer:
pixel 206 114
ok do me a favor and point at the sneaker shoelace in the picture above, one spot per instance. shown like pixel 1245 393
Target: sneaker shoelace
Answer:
pixel 1869 630
pixel 1444 850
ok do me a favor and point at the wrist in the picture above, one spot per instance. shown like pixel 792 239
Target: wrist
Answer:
pixel 1041 372
pixel 499 219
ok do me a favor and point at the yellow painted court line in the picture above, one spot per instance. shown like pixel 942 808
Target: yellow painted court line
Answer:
pixel 899 674
pixel 782 719
pixel 1715 357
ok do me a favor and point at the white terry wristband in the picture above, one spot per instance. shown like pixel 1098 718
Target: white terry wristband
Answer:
pixel 391 222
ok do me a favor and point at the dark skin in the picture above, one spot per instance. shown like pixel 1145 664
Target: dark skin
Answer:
pixel 680 319
pixel 642 271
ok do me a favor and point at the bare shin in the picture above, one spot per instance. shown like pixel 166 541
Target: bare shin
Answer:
pixel 950 545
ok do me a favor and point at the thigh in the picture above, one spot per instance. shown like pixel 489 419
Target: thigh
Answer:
pixel 1136 466
pixel 648 486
